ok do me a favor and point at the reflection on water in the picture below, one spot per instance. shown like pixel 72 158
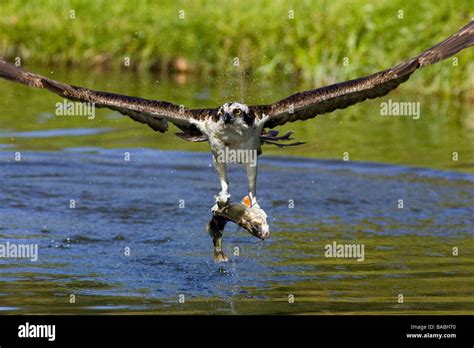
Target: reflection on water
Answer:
pixel 135 205
pixel 52 133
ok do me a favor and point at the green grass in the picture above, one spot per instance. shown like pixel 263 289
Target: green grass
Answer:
pixel 311 46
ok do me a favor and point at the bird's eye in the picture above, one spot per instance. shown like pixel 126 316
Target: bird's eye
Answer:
pixel 237 111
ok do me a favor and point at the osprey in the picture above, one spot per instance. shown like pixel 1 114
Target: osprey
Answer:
pixel 241 128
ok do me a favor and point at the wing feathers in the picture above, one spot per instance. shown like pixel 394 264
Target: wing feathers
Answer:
pixel 308 104
pixel 449 47
pixel 151 112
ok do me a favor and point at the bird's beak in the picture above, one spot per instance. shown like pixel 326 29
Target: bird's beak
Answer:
pixel 228 118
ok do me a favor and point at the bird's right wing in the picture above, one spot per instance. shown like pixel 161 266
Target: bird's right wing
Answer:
pixel 154 113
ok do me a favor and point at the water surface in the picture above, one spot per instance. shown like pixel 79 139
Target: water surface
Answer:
pixel 136 205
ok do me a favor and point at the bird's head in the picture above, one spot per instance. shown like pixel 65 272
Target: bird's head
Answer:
pixel 234 112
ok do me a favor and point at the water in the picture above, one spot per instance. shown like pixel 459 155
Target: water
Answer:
pixel 128 247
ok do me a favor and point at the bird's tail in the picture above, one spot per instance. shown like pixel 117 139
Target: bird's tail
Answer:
pixel 460 40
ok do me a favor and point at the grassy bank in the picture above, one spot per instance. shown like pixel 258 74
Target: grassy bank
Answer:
pixel 303 39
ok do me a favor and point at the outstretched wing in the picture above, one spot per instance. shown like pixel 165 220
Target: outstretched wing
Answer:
pixel 154 113
pixel 308 104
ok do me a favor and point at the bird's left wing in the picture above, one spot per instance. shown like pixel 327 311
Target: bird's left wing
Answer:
pixel 308 104
pixel 154 113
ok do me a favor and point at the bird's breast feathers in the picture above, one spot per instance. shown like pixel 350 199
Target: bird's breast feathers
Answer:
pixel 236 135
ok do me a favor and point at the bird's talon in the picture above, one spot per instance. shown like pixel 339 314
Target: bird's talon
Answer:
pixel 219 256
pixel 222 199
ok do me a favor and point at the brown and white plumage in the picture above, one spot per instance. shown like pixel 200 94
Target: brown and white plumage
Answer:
pixel 308 104
pixel 246 128
pixel 154 113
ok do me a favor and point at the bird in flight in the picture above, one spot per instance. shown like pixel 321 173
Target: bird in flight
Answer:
pixel 238 127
